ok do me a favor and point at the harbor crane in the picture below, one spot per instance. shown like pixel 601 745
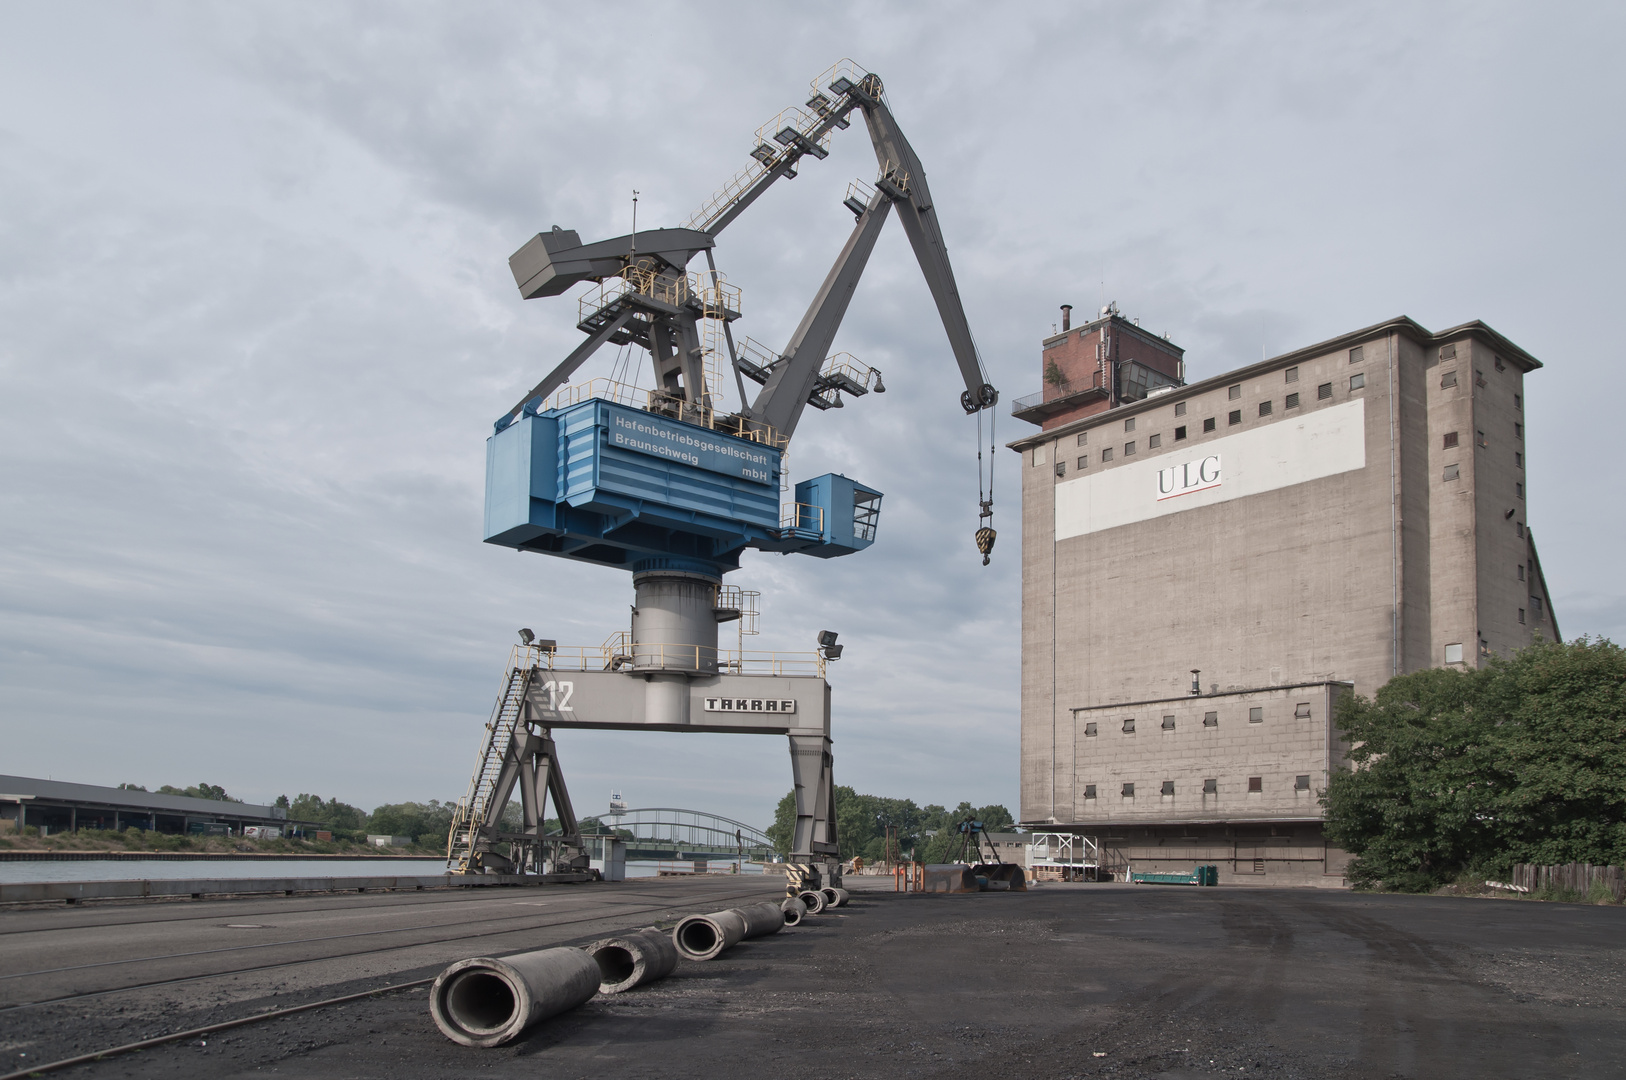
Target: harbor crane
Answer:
pixel 667 484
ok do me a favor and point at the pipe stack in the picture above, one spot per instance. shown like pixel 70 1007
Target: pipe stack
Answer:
pixel 490 1001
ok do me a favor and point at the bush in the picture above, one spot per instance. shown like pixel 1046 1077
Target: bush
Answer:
pixel 1523 761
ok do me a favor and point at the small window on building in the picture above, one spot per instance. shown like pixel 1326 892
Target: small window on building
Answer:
pixel 1090 729
pixel 1210 719
pixel 1518 431
pixel 1129 791
pixel 1518 489
pixel 1479 378
pixel 1153 442
pixel 1518 402
pixel 1448 352
pixel 1168 723
pixel 1129 726
pixel 1179 408
pixel 1256 783
pixel 1323 392
pixel 1301 783
pixel 1521 616
pixel 1357 354
pixel 1208 425
pixel 1083 438
pixel 1292 374
pixel 1518 459
pixel 1038 456
pixel 1292 402
pixel 1499 365
pixel 1484 647
pixel 1089 791
pixel 1210 787
pixel 1532 569
pixel 1256 715
pixel 1535 606
pixel 1264 408
pixel 1129 448
pixel 1479 439
pixel 1448 379
pixel 1301 711
pixel 1083 461
pixel 1451 440
pixel 1357 380
pixel 1521 571
pixel 1235 417
pixel 1179 433
pixel 1452 472
pixel 1129 425
pixel 1453 653
pixel 1235 391
pixel 1106 454
pixel 1168 787
pixel 1518 528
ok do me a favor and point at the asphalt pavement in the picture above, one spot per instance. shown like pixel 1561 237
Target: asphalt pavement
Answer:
pixel 1062 981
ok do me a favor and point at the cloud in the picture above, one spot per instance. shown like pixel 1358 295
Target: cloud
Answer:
pixel 257 322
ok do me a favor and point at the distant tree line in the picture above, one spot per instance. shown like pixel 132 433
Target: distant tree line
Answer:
pixel 1459 774
pixel 929 833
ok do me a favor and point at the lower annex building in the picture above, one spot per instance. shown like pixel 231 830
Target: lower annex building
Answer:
pixel 1207 567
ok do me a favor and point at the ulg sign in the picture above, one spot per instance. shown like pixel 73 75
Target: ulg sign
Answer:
pixel 1196 475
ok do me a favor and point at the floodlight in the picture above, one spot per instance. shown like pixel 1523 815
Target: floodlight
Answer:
pixel 525 636
pixel 827 638
pixel 880 387
pixel 832 652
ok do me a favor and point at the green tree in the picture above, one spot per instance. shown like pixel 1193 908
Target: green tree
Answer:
pixel 1455 771
pixel 336 815
pixel 198 791
pixel 417 820
pixel 862 822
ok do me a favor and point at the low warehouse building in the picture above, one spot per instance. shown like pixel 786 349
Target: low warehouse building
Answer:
pixel 59 806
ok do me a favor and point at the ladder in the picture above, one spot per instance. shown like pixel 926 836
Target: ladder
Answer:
pixel 474 815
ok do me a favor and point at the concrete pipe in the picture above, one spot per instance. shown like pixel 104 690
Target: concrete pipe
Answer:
pixel 633 959
pixel 834 897
pixel 762 920
pixel 704 937
pixel 488 1001
pixel 794 910
pixel 813 900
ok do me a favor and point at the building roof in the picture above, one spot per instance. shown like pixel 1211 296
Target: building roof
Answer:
pixel 1403 324
pixel 28 787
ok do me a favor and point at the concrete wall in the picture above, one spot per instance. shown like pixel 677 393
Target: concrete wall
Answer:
pixel 1352 575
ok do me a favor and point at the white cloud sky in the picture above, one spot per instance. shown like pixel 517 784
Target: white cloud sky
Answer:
pixel 256 320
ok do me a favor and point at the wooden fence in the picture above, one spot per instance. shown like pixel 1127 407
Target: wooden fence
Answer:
pixel 1578 877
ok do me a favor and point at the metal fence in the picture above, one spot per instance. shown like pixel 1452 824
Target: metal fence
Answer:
pixel 1575 877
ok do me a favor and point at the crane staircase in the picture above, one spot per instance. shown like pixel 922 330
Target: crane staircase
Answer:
pixel 474 811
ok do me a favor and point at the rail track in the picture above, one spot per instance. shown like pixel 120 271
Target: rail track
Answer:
pixel 653 904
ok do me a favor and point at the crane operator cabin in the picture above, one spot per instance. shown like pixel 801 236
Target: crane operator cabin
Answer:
pixel 1207 567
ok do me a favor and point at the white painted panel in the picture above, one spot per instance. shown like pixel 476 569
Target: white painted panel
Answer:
pixel 1320 443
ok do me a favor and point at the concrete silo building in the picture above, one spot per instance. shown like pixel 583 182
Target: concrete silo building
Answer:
pixel 1207 567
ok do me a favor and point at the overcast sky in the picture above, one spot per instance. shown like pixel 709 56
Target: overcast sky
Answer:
pixel 256 320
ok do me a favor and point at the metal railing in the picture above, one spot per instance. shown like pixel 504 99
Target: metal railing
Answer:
pixel 1023 403
pixel 620 653
pixel 669 405
pixel 805 516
